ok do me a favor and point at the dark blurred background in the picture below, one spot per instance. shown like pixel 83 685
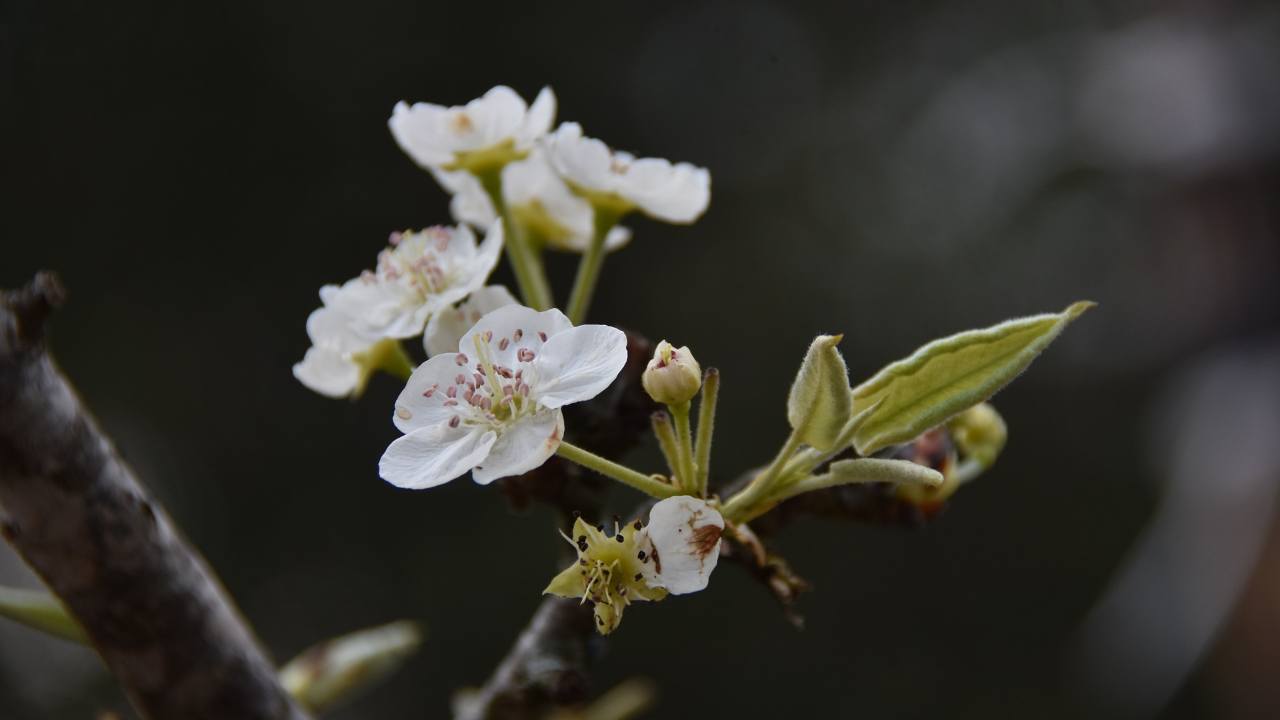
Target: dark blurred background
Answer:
pixel 895 171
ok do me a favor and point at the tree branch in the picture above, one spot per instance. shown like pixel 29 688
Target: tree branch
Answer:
pixel 78 516
pixel 547 666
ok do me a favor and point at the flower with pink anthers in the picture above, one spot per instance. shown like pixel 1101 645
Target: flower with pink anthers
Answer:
pixel 484 134
pixel 419 275
pixel 494 407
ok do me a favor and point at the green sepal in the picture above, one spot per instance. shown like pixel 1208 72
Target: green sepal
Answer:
pixel 949 375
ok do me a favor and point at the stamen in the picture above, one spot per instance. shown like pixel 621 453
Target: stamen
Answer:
pixel 482 350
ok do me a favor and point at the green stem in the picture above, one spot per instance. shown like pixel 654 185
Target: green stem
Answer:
pixel 706 426
pixel 584 285
pixel 741 505
pixel 666 434
pixel 526 261
pixel 686 475
pixel 610 469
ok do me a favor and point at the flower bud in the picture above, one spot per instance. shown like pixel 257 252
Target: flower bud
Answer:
pixel 979 433
pixel 673 376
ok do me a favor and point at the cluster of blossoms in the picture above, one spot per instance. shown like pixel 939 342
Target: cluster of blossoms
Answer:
pixel 489 399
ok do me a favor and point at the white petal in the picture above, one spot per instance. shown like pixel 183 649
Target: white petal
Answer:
pixel 618 237
pixel 676 194
pixel 381 309
pixel 496 117
pixel 578 364
pixel 522 446
pixel 487 253
pixel 470 203
pixel 539 118
pixel 523 328
pixel 583 161
pixel 415 409
pixel 684 534
pixel 415 131
pixel 432 456
pixel 447 327
pixel 327 372
pixel 334 330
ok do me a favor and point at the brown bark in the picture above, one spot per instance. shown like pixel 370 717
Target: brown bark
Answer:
pixel 79 517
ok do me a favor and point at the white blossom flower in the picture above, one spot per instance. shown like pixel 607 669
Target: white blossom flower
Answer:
pixel 341 357
pixel 419 275
pixel 617 180
pixel 447 327
pixel 485 133
pixel 675 553
pixel 544 204
pixel 683 537
pixel 538 199
pixel 493 407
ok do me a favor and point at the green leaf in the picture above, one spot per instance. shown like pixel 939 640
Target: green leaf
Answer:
pixel 949 375
pixel 338 669
pixel 866 470
pixel 819 404
pixel 41 611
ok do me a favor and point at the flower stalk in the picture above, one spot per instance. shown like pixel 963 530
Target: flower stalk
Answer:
pixel 665 432
pixel 526 261
pixel 686 474
pixel 646 484
pixel 706 427
pixel 584 284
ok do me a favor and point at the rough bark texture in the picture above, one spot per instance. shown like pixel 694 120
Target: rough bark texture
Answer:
pixel 78 516
pixel 548 666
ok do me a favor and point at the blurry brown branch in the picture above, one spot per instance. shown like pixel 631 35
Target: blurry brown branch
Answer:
pixel 546 667
pixel 79 517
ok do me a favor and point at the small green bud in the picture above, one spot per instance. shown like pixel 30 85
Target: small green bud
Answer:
pixel 673 376
pixel 979 433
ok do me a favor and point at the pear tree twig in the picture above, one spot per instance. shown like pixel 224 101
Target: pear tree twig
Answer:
pixel 79 517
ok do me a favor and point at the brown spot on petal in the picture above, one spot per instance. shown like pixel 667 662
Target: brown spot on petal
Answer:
pixel 705 539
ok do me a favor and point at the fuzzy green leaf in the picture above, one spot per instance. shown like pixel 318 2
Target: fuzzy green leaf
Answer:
pixel 41 611
pixel 819 404
pixel 949 375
